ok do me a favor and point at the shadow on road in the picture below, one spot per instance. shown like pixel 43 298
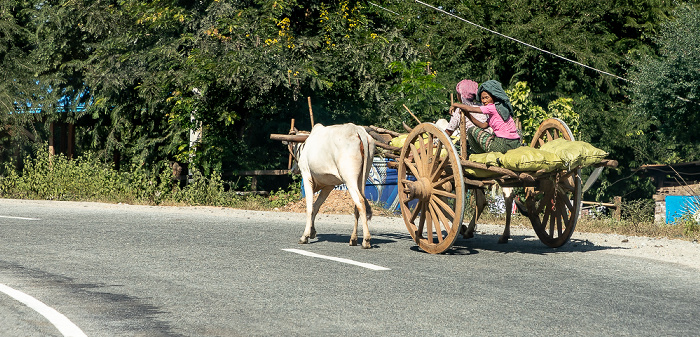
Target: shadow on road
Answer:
pixel 528 244
pixel 520 244
pixel 345 238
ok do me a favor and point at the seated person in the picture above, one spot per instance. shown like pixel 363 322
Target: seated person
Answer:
pixel 467 90
pixel 496 105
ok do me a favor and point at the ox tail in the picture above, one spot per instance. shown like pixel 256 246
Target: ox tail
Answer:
pixel 367 150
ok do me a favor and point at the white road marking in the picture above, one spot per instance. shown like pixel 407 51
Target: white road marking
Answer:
pixel 337 259
pixel 61 322
pixel 17 217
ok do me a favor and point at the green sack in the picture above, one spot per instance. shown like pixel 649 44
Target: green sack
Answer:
pixel 527 159
pixel 488 158
pixel 398 141
pixel 574 153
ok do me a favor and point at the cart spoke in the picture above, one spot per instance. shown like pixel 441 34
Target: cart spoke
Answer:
pixel 444 193
pixel 421 224
pixel 415 211
pixel 436 222
pixel 439 164
pixel 429 223
pixel 443 205
pixel 568 203
pixel 440 168
pixel 411 167
pixel 420 153
pixel 417 159
pixel 559 223
pixel 428 151
pixel 549 135
pixel 446 223
pixel 552 220
pixel 443 180
pixel 545 218
pixel 565 215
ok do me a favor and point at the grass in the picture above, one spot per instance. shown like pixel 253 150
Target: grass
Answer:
pixel 87 179
pixel 631 223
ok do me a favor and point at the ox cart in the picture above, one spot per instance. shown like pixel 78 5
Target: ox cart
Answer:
pixel 433 180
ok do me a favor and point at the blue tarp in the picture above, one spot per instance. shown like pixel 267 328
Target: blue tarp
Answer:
pixel 678 205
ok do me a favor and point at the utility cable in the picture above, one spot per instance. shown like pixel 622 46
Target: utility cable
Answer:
pixel 525 44
pixel 521 42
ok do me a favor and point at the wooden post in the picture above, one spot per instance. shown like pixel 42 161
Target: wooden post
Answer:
pixel 291 131
pixel 52 151
pixel 311 112
pixel 618 208
pixel 463 135
pixel 254 183
pixel 70 143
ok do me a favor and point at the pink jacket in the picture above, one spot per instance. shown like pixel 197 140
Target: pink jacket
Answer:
pixel 500 128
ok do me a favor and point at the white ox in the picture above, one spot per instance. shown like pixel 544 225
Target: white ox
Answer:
pixel 334 155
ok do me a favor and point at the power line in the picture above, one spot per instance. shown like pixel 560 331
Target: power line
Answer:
pixel 521 42
pixel 507 37
pixel 388 10
pixel 525 44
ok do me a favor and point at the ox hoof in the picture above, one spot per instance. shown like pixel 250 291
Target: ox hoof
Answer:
pixel 466 234
pixel 313 234
pixel 353 242
pixel 462 229
pixel 503 240
pixel 303 240
pixel 366 244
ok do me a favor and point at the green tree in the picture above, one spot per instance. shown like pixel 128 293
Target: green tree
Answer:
pixel 666 91
pixel 531 115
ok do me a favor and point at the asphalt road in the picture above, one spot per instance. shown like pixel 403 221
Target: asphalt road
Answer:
pixel 120 270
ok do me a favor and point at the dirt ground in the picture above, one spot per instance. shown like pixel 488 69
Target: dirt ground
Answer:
pixel 338 202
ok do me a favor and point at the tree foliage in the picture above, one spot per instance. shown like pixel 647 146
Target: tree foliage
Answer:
pixel 148 72
pixel 666 91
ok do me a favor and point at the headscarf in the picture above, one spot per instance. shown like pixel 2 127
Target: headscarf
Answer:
pixel 500 99
pixel 467 89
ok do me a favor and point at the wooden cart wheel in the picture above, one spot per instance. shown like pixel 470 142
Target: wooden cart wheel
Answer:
pixel 431 188
pixel 554 205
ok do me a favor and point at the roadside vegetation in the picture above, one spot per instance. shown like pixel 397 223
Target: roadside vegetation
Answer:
pixel 86 178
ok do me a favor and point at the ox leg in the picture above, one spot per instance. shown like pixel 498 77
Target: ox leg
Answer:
pixel 312 209
pixel 508 195
pixel 480 200
pixel 363 212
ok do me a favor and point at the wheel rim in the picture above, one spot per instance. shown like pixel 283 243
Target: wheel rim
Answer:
pixel 431 188
pixel 554 205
